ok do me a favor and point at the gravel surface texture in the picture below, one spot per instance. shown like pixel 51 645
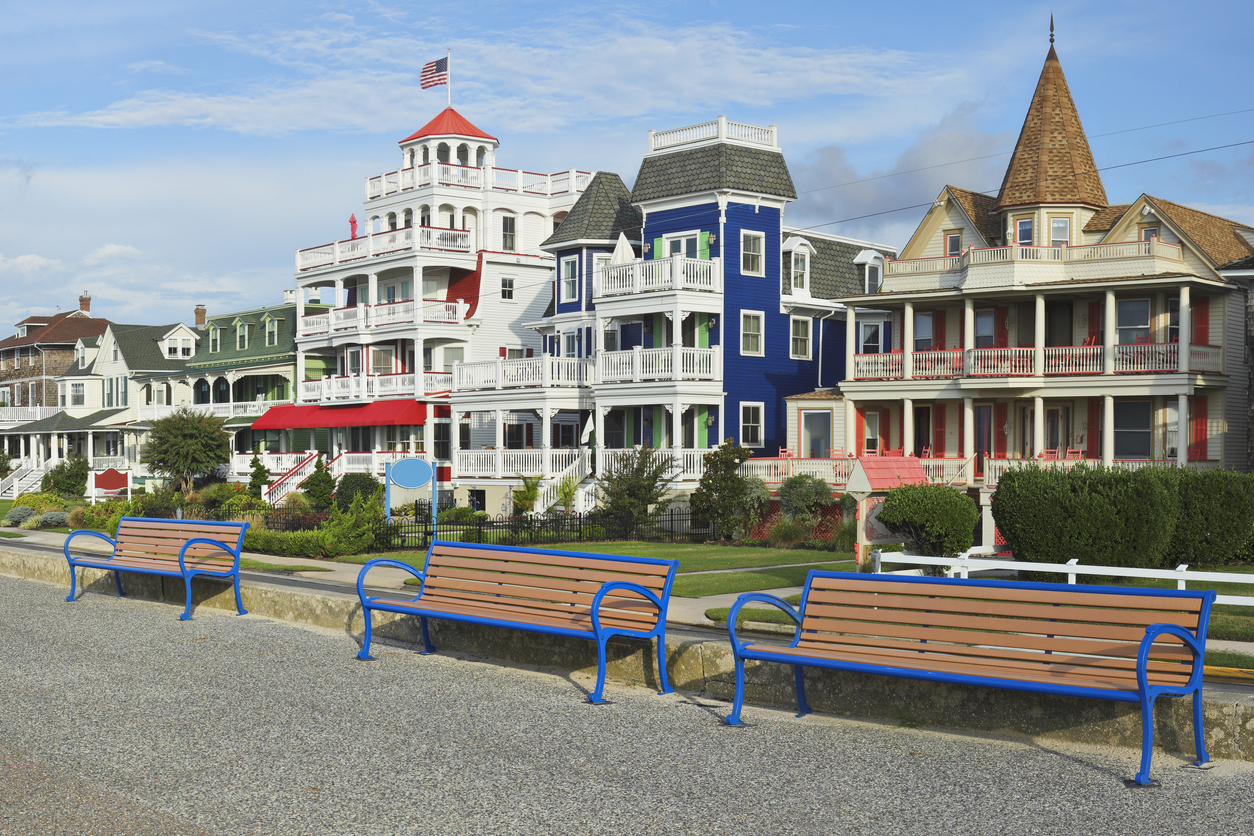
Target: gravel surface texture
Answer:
pixel 120 719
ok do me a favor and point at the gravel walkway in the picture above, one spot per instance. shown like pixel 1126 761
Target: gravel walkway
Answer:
pixel 120 719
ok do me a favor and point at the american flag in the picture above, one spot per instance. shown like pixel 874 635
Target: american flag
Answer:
pixel 435 74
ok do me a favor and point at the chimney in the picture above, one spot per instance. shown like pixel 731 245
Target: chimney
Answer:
pixel 289 296
pixel 200 317
pixel 84 302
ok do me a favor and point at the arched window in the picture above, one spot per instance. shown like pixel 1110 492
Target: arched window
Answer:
pixel 424 215
pixel 463 154
pixel 408 218
pixel 442 152
pixel 391 220
pixel 481 157
pixel 426 155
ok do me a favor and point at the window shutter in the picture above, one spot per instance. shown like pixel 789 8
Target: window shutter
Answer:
pixel 1095 320
pixel 1000 415
pixel 859 442
pixel 888 336
pixel 530 434
pixel 938 329
pixel 703 246
pixel 1001 335
pixel 502 351
pixel 1094 450
pixel 1198 442
pixel 962 436
pixel 938 429
pixel 1199 319
pixel 531 352
pixel 659 248
pixel 886 430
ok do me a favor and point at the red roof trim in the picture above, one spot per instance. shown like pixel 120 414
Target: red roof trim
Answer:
pixel 448 123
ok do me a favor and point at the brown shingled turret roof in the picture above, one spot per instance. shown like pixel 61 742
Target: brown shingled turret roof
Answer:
pixel 1052 162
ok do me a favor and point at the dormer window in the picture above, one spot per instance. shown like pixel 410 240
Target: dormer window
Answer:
pixel 215 340
pixel 874 278
pixel 171 349
pixel 953 244
pixel 82 356
pixel 185 347
pixel 800 270
pixel 241 336
pixel 21 330
pixel 1023 232
pixel 272 331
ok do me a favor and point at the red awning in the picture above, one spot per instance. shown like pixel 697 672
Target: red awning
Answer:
pixel 377 414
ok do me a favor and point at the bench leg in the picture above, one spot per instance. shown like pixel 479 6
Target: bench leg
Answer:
pixel 661 666
pixel 803 707
pixel 73 583
pixel 239 602
pixel 117 583
pixel 364 653
pixel 733 719
pixel 1199 740
pixel 428 647
pixel 597 697
pixel 1147 740
pixel 187 611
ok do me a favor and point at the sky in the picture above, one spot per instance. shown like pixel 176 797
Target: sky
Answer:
pixel 161 155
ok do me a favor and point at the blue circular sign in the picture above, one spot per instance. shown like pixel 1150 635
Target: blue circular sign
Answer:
pixel 411 473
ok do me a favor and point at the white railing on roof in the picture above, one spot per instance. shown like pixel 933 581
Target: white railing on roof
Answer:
pixel 25 414
pixel 473 177
pixel 670 273
pixel 719 129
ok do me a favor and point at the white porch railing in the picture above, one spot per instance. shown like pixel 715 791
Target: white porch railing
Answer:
pixel 318 323
pixel 434 383
pixel 995 468
pixel 685 464
pixel 1000 362
pixel 773 471
pixel 543 371
pixel 403 312
pixel 26 414
pixel 1074 359
pixel 1206 358
pixel 883 366
pixel 471 177
pixel 1147 357
pixel 670 273
pixel 567 464
pixel 938 363
pixel 674 363
pixel 507 464
pixel 456 240
pixel 941 471
pixel 358 388
pixel 999 255
pixel 8 485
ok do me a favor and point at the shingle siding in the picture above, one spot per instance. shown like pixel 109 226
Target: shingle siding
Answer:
pixel 711 168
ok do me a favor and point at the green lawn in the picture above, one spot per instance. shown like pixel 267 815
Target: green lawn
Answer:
pixel 11 535
pixel 260 566
pixel 702 557
pixel 770 615
pixel 719 583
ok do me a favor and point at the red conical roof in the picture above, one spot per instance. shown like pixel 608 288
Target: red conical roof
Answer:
pixel 448 123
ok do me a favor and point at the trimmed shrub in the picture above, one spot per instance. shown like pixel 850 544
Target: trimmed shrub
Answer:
pixel 1104 517
pixel 352 531
pixel 54 519
pixel 804 495
pixel 934 519
pixel 462 514
pixel 69 478
pixel 41 502
pixel 18 514
pixel 320 485
pixel 351 485
pixel 284 543
pixel 1216 515
pixel 30 523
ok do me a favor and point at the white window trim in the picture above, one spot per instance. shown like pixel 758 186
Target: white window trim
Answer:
pixel 793 287
pixel 679 236
pixel 761 405
pixel 879 342
pixel 949 235
pixel 761 352
pixel 564 278
pixel 866 277
pixel 513 289
pixel 750 233
pixel 809 355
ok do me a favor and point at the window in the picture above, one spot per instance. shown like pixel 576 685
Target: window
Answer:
pixel 451 356
pixel 381 361
pixel 870 343
pixel 507 287
pixel 215 340
pixel 953 244
pixel 1023 232
pixel 428 364
pixel 272 328
pixel 872 278
pixel 172 348
pixel 922 331
pixel 799 348
pixel 800 262
pixel 515 353
pixel 570 279
pixel 1132 429
pixel 463 435
pixel 751 333
pixel 1173 320
pixel 61 396
pixel 109 382
pixel 751 246
pixel 609 340
pixel 507 233
pixel 1148 232
pixel 82 356
pixel 599 263
pixel 1059 232
pixel 4 397
pixel 78 394
pixel 32 392
pixel 571 345
pixel 352 361
pixel 424 216
pixel 514 436
pixel 751 424
pixel 984 329
pixel 115 353
pixel 1132 321
pixel 682 245
pixel 185 348
pixel 871 434
pixel 241 337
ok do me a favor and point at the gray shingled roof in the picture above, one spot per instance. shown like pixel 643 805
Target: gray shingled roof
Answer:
pixel 141 346
pixel 63 422
pixel 832 271
pixel 1246 263
pixel 602 212
pixel 712 167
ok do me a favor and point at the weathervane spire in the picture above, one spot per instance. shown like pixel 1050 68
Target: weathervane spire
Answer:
pixel 1051 28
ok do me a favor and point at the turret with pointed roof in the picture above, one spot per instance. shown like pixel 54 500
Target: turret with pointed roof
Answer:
pixel 601 214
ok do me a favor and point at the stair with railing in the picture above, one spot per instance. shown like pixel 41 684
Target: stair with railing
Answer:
pixel 280 488
pixel 8 485
pixel 580 467
pixel 25 479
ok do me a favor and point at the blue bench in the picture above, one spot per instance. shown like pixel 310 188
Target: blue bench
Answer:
pixel 169 548
pixel 561 593
pixel 1105 642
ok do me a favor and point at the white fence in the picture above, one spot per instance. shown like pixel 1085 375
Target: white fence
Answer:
pixel 543 371
pixel 473 177
pixel 669 273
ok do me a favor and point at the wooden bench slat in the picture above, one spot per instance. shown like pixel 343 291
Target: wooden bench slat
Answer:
pixel 511 579
pixel 196 529
pixel 142 548
pixel 573 621
pixel 557 560
pixel 1132 600
pixel 639 611
pixel 650 582
pixel 512 590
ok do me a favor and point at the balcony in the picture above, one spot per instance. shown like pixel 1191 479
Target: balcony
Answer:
pixel 482 179
pixel 237 409
pixel 509 464
pixel 719 130
pixel 1140 358
pixel 531 372
pixel 361 387
pixel 405 312
pixel 26 414
pixel 650 364
pixel 388 242
pixel 685 464
pixel 670 273
pixel 1016 265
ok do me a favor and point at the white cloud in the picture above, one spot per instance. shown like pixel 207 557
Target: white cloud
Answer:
pixel 28 264
pixel 159 67
pixel 109 252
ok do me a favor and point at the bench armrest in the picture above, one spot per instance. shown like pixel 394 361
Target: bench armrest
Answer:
pixel 634 587
pixel 73 534
pixel 210 542
pixel 1197 645
pixel 765 598
pixel 387 561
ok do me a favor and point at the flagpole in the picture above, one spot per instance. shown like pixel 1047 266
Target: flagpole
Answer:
pixel 450 78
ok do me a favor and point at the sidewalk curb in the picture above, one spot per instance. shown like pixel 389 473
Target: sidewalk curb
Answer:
pixel 702 664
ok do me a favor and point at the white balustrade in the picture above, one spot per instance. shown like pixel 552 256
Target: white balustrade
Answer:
pixel 1206 358
pixel 773 471
pixel 435 383
pixel 318 323
pixel 942 471
pixel 942 363
pixel 669 273
pixel 522 372
pixel 25 414
pixel 1147 357
pixel 354 317
pixel 391 241
pixel 660 364
pixel 1001 362
pixel 389 313
pixel 455 240
pixel 433 310
pixel 451 174
pixel 923 265
pixel 721 128
pixel 1074 359
pixel 391 386
pixel 352 249
pixel 883 366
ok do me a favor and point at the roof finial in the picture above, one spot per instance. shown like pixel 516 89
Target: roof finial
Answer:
pixel 1051 28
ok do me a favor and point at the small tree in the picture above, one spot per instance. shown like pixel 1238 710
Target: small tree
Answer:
pixel 525 495
pixel 803 497
pixel 350 485
pixel 933 519
pixel 720 495
pixel 69 478
pixel 185 445
pixel 567 490
pixel 634 486
pixel 6 462
pixel 260 478
pixel 320 485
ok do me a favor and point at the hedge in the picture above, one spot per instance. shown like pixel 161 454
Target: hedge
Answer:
pixel 933 519
pixel 284 543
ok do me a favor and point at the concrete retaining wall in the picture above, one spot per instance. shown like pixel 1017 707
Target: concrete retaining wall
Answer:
pixel 701 664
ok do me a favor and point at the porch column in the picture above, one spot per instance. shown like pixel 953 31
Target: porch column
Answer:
pixel 339 293
pixel 851 341
pixel 300 376
pixel 600 411
pixel 907 345
pixel 968 336
pixel 1182 421
pixel 968 427
pixel 1186 330
pixel 90 438
pixel 546 440
pixel 1108 430
pixel 300 306
pixel 1109 342
pixel 499 415
pixel 372 281
pixel 907 426
pixel 420 368
pixel 1038 341
pixel 1038 425
pixel 851 427
pixel 598 342
pixel 677 429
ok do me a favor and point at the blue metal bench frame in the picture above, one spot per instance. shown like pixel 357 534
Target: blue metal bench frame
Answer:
pixel 598 634
pixel 184 573
pixel 1145 693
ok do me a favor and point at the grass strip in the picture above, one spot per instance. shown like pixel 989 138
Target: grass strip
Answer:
pixel 703 557
pixel 11 535
pixel 260 566
pixel 721 583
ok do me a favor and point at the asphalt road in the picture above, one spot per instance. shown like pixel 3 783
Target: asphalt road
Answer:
pixel 117 718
